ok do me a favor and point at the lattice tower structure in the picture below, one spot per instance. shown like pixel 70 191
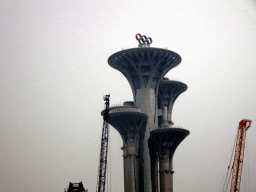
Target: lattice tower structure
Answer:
pixel 103 149
pixel 239 155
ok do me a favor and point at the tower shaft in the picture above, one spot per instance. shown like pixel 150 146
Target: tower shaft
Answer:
pixel 145 100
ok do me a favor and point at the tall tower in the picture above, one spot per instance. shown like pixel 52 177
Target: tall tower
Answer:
pixel 144 68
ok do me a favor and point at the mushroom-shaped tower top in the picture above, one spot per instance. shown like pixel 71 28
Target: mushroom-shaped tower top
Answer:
pixel 168 92
pixel 144 67
pixel 167 138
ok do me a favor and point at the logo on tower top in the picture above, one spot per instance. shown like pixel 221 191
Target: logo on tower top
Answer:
pixel 143 40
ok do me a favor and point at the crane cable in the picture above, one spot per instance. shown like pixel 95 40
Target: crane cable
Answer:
pixel 228 173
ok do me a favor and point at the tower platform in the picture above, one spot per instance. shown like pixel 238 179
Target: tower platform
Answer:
pixel 168 92
pixel 144 67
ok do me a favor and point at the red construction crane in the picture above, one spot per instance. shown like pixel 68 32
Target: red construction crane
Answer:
pixel 104 149
pixel 239 155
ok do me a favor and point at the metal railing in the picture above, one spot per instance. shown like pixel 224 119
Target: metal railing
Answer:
pixel 117 110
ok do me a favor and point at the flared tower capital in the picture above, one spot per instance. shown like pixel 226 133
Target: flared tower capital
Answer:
pixel 165 141
pixel 129 122
pixel 144 67
pixel 168 92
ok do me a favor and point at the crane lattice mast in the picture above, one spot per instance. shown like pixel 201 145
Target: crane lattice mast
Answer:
pixel 239 155
pixel 104 149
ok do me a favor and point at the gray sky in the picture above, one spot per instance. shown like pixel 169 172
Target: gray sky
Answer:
pixel 54 73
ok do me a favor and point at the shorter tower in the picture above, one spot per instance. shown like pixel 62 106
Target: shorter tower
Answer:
pixel 168 92
pixel 163 143
pixel 131 124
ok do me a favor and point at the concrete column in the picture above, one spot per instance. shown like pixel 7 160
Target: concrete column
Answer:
pixel 172 172
pixel 165 173
pixel 154 167
pixel 154 175
pixel 165 112
pixel 145 100
pixel 130 164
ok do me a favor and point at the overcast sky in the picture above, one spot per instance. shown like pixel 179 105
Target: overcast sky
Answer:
pixel 54 73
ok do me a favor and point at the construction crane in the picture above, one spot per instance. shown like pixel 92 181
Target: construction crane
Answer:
pixel 239 155
pixel 103 149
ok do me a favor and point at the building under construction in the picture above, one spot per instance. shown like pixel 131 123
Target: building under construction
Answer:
pixel 145 124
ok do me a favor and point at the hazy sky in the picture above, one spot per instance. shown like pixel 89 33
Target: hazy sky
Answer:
pixel 54 73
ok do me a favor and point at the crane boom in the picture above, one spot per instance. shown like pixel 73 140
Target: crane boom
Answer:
pixel 239 155
pixel 104 149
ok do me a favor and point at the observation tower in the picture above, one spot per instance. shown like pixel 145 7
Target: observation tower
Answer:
pixel 144 68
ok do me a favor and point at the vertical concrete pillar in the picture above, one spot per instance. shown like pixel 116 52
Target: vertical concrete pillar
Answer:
pixel 154 167
pixel 165 120
pixel 165 172
pixel 145 100
pixel 130 158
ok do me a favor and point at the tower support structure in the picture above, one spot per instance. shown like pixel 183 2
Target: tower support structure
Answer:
pixel 144 68
pixel 131 124
pixel 163 143
pixel 168 92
